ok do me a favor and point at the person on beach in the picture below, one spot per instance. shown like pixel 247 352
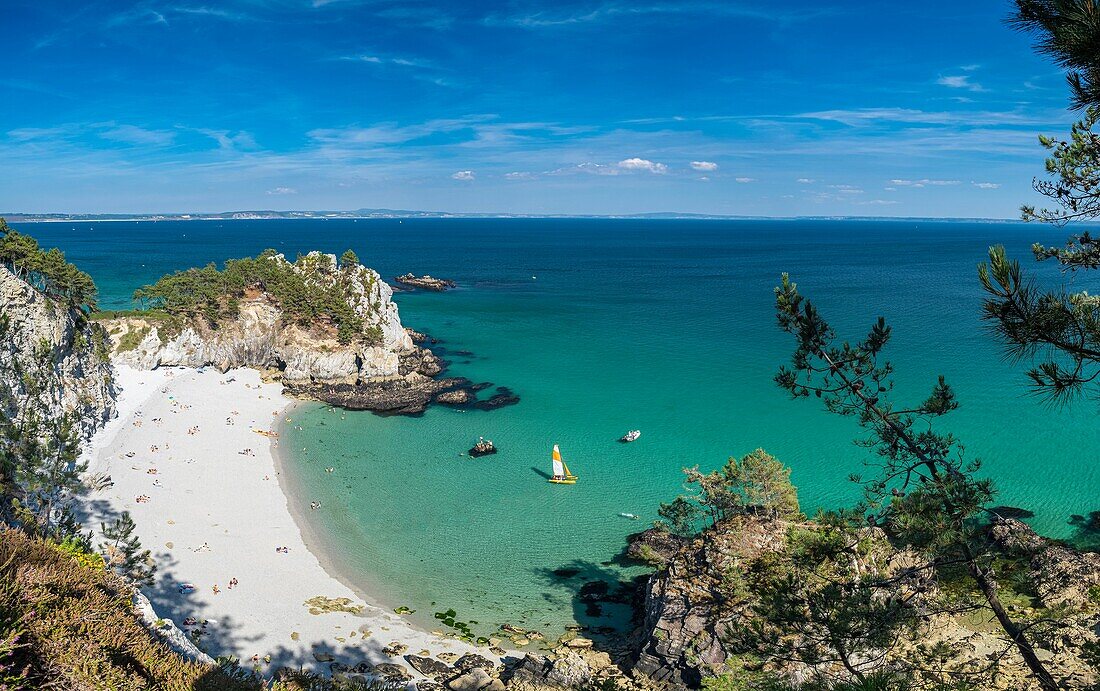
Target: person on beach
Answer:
pixel 232 582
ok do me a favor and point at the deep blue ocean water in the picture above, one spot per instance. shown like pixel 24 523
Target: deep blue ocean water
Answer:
pixel 607 325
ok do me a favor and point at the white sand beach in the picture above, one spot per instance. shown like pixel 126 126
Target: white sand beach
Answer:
pixel 203 489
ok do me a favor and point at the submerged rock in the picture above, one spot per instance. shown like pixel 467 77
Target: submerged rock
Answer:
pixel 455 397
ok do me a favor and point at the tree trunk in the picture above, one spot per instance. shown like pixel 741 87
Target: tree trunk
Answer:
pixel 989 590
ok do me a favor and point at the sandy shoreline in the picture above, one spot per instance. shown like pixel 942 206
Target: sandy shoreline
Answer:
pixel 208 497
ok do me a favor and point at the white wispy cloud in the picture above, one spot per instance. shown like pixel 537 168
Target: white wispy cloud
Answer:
pixel 587 168
pixel 140 136
pixel 609 11
pixel 925 182
pixel 389 60
pixel 519 175
pixel 805 181
pixel 986 185
pixel 466 175
pixel 282 190
pixel 744 180
pixel 230 141
pixel 847 189
pixel 960 81
pixel 643 164
pixel 706 166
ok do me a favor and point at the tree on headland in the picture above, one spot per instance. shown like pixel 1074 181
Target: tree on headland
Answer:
pixel 40 472
pixel 925 494
pixel 46 270
pixel 348 259
pixel 755 484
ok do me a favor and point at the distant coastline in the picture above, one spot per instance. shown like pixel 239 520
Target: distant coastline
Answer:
pixel 270 215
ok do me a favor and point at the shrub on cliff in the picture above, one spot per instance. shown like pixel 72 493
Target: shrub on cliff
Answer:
pixel 46 270
pixel 74 627
pixel 756 484
pixel 214 295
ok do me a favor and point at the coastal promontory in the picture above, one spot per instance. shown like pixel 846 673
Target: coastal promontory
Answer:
pixel 327 328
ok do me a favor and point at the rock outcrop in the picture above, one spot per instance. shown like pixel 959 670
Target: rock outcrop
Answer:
pixel 687 616
pixel 261 337
pixel 42 334
pixel 378 369
pixel 425 282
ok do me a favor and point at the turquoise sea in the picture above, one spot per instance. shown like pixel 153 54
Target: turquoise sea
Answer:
pixel 602 326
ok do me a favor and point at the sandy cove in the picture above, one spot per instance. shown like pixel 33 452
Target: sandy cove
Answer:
pixel 212 514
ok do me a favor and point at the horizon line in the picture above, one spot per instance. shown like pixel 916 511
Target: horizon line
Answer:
pixel 379 213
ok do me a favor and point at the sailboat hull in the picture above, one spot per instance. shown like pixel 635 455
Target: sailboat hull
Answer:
pixel 565 481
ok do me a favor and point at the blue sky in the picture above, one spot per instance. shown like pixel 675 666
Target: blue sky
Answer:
pixel 801 107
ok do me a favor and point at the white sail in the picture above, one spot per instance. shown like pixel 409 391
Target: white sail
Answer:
pixel 559 467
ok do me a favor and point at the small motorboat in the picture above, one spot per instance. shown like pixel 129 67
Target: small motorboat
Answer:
pixel 483 447
pixel 630 436
pixel 630 516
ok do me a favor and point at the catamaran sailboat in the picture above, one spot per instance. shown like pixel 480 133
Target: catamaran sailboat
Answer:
pixel 561 476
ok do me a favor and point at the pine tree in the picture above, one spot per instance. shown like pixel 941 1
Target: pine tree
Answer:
pixel 123 553
pixel 349 259
pixel 926 494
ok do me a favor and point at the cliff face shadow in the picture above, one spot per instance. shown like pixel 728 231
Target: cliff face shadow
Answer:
pixel 286 664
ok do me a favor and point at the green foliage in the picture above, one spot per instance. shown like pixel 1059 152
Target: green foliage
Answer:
pixel 679 516
pixel 76 547
pixel 1074 166
pixel 756 484
pixel 132 339
pixel 214 295
pixel 122 551
pixel 348 259
pixel 925 494
pixel 1067 31
pixel 46 270
pixel 823 601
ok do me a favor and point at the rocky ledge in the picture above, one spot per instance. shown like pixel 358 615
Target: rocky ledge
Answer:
pixel 425 282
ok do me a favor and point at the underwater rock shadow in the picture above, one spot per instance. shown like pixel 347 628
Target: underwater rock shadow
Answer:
pixel 600 599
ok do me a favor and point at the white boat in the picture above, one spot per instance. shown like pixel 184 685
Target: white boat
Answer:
pixel 630 436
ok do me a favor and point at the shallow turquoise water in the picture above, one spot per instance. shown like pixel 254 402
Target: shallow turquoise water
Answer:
pixel 604 326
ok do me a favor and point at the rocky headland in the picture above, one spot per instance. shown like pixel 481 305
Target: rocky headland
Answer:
pixel 355 355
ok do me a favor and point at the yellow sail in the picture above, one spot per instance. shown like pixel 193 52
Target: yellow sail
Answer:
pixel 562 475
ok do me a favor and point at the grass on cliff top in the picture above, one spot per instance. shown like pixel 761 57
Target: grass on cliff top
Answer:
pixel 66 623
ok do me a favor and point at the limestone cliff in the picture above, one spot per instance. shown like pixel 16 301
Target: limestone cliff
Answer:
pixel 377 368
pixel 261 337
pixel 66 350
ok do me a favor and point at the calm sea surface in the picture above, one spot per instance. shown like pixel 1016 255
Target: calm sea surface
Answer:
pixel 603 326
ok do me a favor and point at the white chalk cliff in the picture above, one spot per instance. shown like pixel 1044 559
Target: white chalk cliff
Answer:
pixel 57 347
